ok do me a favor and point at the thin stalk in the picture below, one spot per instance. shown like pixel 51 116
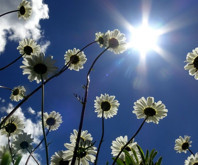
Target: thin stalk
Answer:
pixel 8 12
pixel 191 151
pixel 101 140
pixel 28 96
pixel 11 63
pixel 36 148
pixel 33 157
pixel 10 149
pixel 129 141
pixel 5 88
pixel 84 105
pixel 42 118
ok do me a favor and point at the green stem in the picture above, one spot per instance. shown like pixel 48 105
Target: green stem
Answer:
pixel 9 12
pixel 83 107
pixel 33 157
pixel 101 140
pixel 129 141
pixel 10 149
pixel 191 151
pixel 42 118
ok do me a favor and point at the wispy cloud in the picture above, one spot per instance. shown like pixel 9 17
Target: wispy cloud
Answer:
pixel 11 28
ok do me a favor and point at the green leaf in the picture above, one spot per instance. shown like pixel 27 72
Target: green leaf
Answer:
pixel 135 155
pixel 6 158
pixel 119 161
pixel 18 160
pixel 128 158
pixel 159 161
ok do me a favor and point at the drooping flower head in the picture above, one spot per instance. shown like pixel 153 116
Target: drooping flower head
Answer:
pixel 86 152
pixel 116 41
pixel 147 108
pixel 182 144
pixel 38 67
pixel 27 47
pixel 57 159
pixel 106 103
pixel 12 126
pixel 22 143
pixel 192 63
pixel 53 120
pixel 25 10
pixel 119 143
pixel 18 93
pixel 85 136
pixel 76 58
pixel 192 160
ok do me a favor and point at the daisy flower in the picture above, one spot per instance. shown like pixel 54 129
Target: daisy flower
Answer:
pixel 18 93
pixel 192 160
pixel 182 144
pixel 101 39
pixel 38 67
pixel 119 143
pixel 192 63
pixel 52 120
pixel 77 59
pixel 106 103
pixel 12 126
pixel 85 153
pixel 22 143
pixel 147 108
pixel 28 47
pixel 85 136
pixel 25 10
pixel 57 158
pixel 116 41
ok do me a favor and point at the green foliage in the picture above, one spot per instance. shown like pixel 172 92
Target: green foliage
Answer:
pixel 6 159
pixel 147 159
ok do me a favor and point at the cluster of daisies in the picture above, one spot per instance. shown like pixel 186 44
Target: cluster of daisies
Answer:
pixel 21 142
pixel 183 144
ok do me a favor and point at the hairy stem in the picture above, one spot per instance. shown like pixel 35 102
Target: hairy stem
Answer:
pixel 43 127
pixel 10 149
pixel 83 107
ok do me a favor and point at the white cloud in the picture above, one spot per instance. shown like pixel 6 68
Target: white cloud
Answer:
pixel 32 128
pixel 31 111
pixel 14 29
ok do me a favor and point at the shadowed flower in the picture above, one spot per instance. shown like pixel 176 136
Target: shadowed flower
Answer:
pixel 28 47
pixel 192 63
pixel 52 120
pixel 182 144
pixel 86 152
pixel 192 160
pixel 18 93
pixel 153 111
pixel 85 136
pixel 116 41
pixel 38 67
pixel 25 10
pixel 22 143
pixel 101 39
pixel 77 59
pixel 57 159
pixel 106 103
pixel 12 126
pixel 119 143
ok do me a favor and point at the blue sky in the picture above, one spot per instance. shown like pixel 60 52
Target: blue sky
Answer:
pixel 74 24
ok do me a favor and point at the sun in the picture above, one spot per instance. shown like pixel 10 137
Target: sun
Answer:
pixel 144 38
